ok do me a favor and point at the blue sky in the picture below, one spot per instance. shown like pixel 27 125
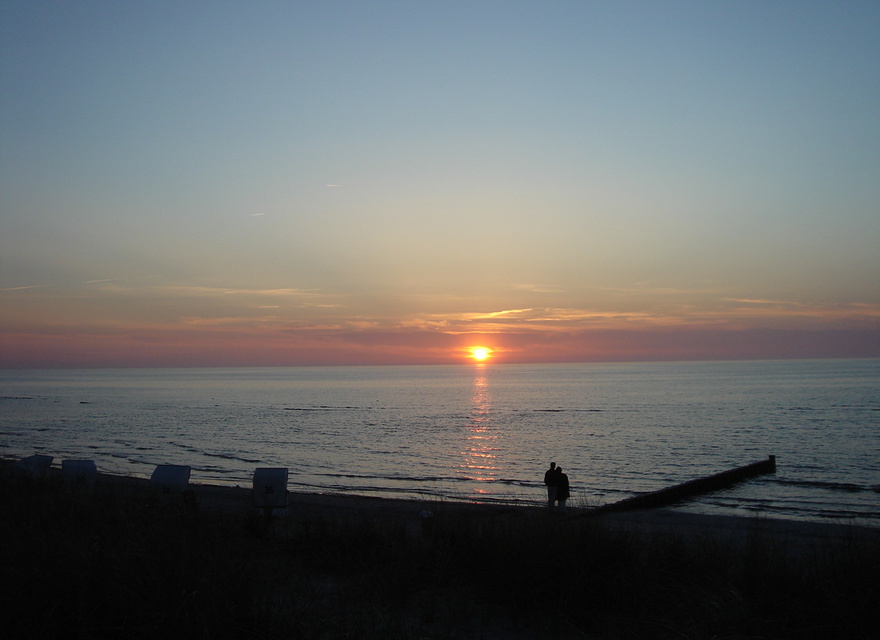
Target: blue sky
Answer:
pixel 391 181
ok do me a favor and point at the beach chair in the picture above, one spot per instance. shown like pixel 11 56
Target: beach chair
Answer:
pixel 79 473
pixel 35 467
pixel 270 491
pixel 170 479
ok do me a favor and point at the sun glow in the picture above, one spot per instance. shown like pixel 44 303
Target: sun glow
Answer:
pixel 480 353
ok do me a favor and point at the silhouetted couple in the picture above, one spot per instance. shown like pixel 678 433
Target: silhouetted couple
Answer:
pixel 557 487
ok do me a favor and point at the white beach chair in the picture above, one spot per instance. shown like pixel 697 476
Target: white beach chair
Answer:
pixel 35 467
pixel 171 479
pixel 79 473
pixel 270 491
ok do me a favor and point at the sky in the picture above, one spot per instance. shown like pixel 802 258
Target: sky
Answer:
pixel 210 183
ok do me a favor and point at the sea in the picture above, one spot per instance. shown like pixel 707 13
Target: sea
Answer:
pixel 481 432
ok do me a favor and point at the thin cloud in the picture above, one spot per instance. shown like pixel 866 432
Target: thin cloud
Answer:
pixel 243 322
pixel 554 319
pixel 757 301
pixel 500 314
pixel 190 291
pixel 28 286
pixel 539 288
pixel 647 288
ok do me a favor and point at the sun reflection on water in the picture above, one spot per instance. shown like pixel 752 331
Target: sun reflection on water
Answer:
pixel 479 454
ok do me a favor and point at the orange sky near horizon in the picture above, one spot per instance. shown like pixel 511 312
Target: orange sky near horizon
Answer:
pixel 239 344
pixel 186 184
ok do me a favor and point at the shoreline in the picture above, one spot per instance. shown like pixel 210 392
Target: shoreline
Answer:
pixel 412 514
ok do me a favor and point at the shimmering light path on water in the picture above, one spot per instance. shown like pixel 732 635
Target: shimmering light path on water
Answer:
pixel 477 432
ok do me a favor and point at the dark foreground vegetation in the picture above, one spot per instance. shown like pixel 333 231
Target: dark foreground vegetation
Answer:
pixel 120 565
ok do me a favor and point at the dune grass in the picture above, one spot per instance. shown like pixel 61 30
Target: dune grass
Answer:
pixel 121 565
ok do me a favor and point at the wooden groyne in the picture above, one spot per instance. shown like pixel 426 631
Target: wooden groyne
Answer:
pixel 690 488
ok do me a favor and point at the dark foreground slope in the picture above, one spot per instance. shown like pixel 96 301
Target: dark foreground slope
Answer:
pixel 118 561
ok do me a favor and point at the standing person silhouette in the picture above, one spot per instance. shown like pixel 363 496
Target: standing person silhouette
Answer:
pixel 562 488
pixel 550 479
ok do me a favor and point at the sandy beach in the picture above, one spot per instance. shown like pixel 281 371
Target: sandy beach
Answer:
pixel 207 563
pixel 415 516
pixel 786 534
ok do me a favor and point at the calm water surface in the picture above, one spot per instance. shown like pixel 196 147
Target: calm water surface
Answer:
pixel 478 432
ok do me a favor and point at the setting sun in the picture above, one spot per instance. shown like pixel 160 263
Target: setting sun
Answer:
pixel 480 353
